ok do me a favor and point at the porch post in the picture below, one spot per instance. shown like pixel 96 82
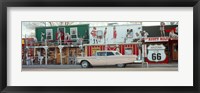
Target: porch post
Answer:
pixel 46 48
pixel 60 48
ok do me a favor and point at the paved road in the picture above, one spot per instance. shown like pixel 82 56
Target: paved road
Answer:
pixel 130 67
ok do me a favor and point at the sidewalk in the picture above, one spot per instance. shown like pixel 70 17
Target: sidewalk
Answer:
pixel 52 66
pixel 78 66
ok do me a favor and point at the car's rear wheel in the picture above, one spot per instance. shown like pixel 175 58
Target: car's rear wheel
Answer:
pixel 85 64
pixel 121 65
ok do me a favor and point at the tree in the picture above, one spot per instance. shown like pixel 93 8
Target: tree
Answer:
pixel 33 25
pixel 32 34
pixel 29 27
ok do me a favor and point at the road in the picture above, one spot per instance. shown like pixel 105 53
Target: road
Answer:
pixel 130 67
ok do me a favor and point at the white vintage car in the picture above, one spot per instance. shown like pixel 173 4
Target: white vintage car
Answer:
pixel 103 58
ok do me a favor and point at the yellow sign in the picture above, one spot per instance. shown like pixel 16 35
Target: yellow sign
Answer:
pixel 22 41
pixel 94 49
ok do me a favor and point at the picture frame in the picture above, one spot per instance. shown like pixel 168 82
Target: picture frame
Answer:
pixel 103 3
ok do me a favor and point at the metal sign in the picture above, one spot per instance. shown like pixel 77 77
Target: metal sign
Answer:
pixel 156 53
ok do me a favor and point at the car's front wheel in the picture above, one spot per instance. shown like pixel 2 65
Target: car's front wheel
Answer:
pixel 121 65
pixel 85 64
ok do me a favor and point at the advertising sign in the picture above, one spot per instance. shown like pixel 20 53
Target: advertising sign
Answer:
pixel 156 53
pixel 94 49
pixel 156 39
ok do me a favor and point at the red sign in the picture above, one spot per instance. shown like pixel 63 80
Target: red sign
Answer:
pixel 156 39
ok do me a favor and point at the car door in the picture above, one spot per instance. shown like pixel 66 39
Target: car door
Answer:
pixel 100 59
pixel 117 58
pixel 111 58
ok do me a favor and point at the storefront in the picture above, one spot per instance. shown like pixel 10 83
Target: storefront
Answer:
pixel 160 50
pixel 124 48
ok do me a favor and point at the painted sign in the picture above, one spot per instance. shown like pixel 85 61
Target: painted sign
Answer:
pixel 156 39
pixel 116 36
pixel 23 42
pixel 156 53
pixel 94 49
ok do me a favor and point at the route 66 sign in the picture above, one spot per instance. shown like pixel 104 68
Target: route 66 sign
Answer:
pixel 156 53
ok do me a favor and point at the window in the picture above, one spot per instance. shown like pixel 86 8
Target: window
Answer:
pixel 73 32
pixel 61 29
pixel 110 54
pixel 175 47
pixel 49 34
pixel 117 53
pixel 128 51
pixel 101 53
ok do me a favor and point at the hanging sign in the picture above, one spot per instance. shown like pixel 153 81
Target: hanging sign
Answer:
pixel 156 53
pixel 156 39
